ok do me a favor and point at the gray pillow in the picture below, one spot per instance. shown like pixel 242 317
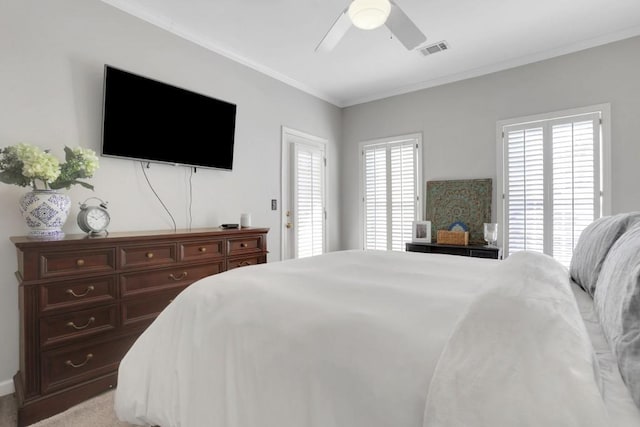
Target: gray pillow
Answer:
pixel 594 244
pixel 617 302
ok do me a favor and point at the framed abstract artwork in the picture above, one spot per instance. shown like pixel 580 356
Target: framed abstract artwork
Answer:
pixel 463 201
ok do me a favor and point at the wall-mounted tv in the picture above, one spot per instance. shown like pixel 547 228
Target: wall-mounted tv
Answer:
pixel 144 119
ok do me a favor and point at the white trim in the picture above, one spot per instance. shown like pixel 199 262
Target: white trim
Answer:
pixel 6 387
pixel 500 183
pixel 285 196
pixel 605 168
pixel 420 203
pixel 570 112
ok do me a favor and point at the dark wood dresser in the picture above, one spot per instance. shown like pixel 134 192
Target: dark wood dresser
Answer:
pixel 477 251
pixel 84 300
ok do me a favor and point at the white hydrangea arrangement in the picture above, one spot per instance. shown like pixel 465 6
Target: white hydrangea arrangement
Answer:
pixel 27 165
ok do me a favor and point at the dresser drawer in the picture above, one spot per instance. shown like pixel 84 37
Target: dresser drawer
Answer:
pixel 147 256
pixel 141 311
pixel 66 366
pixel 67 263
pixel 77 324
pixel 196 251
pixel 151 281
pixel 245 261
pixel 77 293
pixel 245 245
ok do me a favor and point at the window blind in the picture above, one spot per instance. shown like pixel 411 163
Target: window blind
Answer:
pixel 375 195
pixel 525 190
pixel 309 201
pixel 390 194
pixel 574 184
pixel 552 184
pixel 403 193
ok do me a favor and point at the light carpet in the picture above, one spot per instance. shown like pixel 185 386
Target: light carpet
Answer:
pixel 95 412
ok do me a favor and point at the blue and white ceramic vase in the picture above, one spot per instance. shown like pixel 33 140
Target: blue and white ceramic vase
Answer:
pixel 45 212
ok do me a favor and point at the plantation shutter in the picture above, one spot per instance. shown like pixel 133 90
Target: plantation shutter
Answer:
pixel 390 194
pixel 403 193
pixel 525 190
pixel 552 184
pixel 575 183
pixel 375 194
pixel 309 200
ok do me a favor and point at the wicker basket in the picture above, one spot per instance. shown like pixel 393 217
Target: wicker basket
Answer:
pixel 446 237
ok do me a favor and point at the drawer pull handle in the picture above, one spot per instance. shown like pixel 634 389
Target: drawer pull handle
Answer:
pixel 244 263
pixel 180 277
pixel 243 245
pixel 202 249
pixel 80 262
pixel 79 365
pixel 73 325
pixel 149 255
pixel 89 289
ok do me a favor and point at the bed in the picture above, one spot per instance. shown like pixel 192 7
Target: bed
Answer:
pixel 378 338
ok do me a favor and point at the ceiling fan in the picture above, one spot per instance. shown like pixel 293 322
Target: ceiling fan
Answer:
pixel 370 14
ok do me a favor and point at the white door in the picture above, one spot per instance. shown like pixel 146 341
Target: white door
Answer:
pixel 304 209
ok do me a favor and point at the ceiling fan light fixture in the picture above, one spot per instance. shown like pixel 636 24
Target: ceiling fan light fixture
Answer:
pixel 369 14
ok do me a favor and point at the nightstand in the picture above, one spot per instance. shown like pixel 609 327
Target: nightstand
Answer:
pixel 477 251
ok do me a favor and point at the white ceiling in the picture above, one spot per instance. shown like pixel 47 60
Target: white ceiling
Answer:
pixel 278 38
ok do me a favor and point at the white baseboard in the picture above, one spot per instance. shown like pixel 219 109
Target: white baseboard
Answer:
pixel 6 387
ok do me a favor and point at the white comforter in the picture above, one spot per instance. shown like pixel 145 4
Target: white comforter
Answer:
pixel 520 356
pixel 348 339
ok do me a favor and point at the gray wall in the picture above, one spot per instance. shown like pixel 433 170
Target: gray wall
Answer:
pixel 52 55
pixel 458 120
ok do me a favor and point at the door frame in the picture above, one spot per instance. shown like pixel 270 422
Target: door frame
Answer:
pixel 285 184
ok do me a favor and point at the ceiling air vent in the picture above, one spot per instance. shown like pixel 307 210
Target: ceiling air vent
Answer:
pixel 434 48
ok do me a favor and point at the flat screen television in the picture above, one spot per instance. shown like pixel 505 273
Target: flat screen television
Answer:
pixel 144 119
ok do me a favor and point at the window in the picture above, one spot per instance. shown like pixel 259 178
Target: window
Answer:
pixel 390 189
pixel 551 176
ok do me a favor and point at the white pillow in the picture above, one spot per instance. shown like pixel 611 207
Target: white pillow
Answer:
pixel 593 245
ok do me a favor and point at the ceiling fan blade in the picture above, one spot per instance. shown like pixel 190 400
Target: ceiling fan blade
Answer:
pixel 403 28
pixel 335 33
